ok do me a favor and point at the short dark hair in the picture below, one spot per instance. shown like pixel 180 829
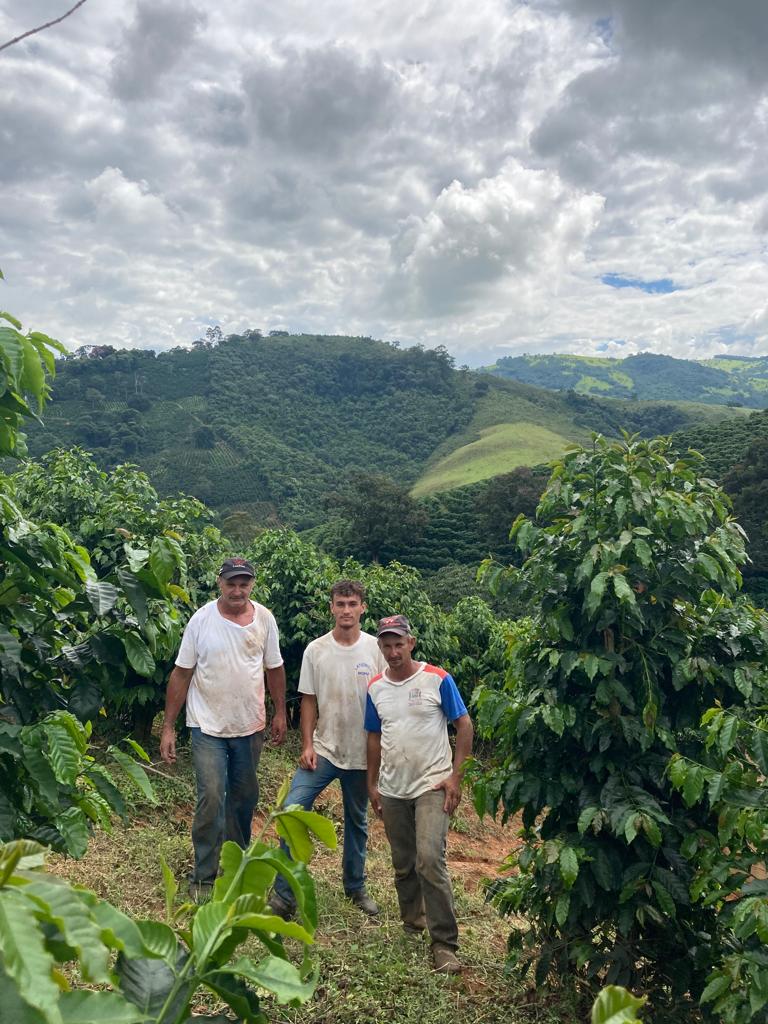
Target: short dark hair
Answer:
pixel 348 588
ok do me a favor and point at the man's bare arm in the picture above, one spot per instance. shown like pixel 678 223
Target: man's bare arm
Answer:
pixel 452 785
pixel 175 696
pixel 464 735
pixel 308 757
pixel 374 764
pixel 275 678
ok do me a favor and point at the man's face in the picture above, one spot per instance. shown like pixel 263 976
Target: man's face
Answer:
pixel 346 611
pixel 396 649
pixel 235 592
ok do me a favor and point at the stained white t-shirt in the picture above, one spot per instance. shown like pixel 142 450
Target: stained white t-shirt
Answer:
pixel 338 676
pixel 412 716
pixel 226 695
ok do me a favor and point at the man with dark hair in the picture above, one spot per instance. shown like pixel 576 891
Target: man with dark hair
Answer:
pixel 228 648
pixel 335 672
pixel 413 782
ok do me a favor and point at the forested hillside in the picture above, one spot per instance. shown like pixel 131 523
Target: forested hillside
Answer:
pixel 271 428
pixel 719 381
pixel 736 455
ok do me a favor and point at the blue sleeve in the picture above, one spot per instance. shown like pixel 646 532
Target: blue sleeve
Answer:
pixel 450 698
pixel 372 721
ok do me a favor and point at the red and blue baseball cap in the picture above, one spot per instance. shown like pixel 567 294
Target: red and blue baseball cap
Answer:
pixel 398 624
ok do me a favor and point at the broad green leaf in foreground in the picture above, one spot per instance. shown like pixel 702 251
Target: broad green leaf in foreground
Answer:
pixel 86 1007
pixel 615 1005
pixel 25 957
pixel 277 976
pixel 315 823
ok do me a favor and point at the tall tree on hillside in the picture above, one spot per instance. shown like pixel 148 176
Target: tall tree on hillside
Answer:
pixel 747 484
pixel 503 499
pixel 382 520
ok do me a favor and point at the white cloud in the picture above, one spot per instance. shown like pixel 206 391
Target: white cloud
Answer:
pixel 152 45
pixel 121 203
pixel 521 223
pixel 461 174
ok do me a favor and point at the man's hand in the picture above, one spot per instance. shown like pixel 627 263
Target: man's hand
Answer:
pixel 375 798
pixel 308 759
pixel 168 745
pixel 452 788
pixel 277 729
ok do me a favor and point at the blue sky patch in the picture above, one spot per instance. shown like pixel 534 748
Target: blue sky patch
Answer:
pixel 604 29
pixel 661 286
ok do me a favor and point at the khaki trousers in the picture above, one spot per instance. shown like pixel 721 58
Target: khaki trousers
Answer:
pixel 416 830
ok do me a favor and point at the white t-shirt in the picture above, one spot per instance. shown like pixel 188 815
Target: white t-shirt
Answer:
pixel 226 695
pixel 338 676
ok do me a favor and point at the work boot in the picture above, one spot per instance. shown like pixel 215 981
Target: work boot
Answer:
pixel 200 892
pixel 280 907
pixel 445 960
pixel 363 901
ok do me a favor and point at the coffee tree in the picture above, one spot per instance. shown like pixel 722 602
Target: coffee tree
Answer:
pixel 51 788
pixel 637 629
pixel 147 971
pixel 731 782
pixel 26 365
pixel 154 560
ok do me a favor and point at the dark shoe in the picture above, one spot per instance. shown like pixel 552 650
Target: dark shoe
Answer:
pixel 363 902
pixel 280 907
pixel 445 960
pixel 200 892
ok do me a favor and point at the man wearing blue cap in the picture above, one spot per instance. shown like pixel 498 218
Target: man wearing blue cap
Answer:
pixel 229 648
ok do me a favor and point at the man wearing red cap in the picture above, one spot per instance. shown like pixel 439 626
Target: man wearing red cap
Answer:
pixel 413 782
pixel 229 647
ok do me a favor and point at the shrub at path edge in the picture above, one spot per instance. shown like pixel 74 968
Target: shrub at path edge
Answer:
pixel 637 630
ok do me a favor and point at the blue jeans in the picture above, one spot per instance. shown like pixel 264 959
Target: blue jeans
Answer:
pixel 305 788
pixel 227 794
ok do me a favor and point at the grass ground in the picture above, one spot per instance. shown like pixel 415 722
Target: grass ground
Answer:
pixel 500 449
pixel 370 972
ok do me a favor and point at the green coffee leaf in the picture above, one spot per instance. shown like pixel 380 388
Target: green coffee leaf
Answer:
pixel 277 976
pixel 569 865
pixel 296 835
pixel 586 818
pixel 101 595
pixel 615 1005
pixel 25 958
pixel 239 998
pixel 139 655
pixel 716 986
pixel 319 826
pixel 82 1006
pixel 135 773
pixel 73 826
pixel 170 888
pixel 562 907
pixel 210 927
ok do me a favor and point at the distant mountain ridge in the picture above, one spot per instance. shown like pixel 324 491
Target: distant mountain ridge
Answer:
pixel 724 380
pixel 273 426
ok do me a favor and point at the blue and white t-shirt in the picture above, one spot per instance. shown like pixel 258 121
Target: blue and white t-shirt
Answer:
pixel 412 717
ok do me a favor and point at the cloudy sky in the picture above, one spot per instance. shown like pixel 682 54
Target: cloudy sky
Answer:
pixel 497 177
